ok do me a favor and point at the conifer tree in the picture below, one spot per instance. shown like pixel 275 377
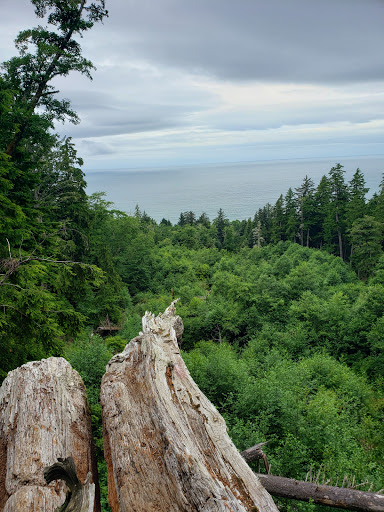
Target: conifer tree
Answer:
pixel 277 223
pixel 376 204
pixel 220 223
pixel 356 206
pixel 335 221
pixel 42 199
pixel 322 198
pixel 305 203
pixel 366 236
pixel 357 191
pixel 204 220
pixel 291 219
pixel 29 108
pixel 43 55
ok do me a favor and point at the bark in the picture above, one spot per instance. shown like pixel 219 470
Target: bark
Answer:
pixel 44 415
pixel 166 446
pixel 337 497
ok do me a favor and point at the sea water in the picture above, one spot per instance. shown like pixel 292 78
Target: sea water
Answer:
pixel 240 189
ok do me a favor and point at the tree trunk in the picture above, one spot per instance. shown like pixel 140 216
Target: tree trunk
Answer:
pixel 166 446
pixel 339 237
pixel 337 497
pixel 44 415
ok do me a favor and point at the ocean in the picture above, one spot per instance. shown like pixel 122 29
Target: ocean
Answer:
pixel 240 189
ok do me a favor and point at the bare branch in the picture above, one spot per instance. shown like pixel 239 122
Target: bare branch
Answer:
pixel 9 248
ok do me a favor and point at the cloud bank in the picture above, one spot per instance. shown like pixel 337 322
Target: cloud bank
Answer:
pixel 210 81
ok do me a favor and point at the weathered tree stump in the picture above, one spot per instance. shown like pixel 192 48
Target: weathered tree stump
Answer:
pixel 44 415
pixel 166 445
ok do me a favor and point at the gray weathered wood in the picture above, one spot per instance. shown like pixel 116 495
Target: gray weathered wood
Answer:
pixel 44 415
pixel 166 445
pixel 336 497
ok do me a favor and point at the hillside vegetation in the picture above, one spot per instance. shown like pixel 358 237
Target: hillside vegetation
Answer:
pixel 283 312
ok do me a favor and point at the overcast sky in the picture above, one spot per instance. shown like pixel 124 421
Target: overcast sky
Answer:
pixel 198 81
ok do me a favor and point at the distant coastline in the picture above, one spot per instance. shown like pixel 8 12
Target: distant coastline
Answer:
pixel 240 189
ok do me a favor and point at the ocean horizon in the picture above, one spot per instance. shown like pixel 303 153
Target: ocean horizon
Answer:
pixel 240 189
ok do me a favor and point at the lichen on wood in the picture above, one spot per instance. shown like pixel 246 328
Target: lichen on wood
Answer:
pixel 166 446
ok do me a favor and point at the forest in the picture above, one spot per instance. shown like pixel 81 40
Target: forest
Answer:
pixel 283 312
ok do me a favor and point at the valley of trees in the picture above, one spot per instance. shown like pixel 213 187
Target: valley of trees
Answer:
pixel 283 312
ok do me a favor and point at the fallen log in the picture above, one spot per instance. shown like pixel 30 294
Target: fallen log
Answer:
pixel 44 415
pixel 166 446
pixel 337 497
pixel 256 453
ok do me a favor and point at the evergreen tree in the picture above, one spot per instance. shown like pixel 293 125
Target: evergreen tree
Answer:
pixel 190 218
pixel 181 222
pixel 322 198
pixel 258 239
pixel 246 232
pixel 29 108
pixel 376 204
pixel 266 216
pixel 137 213
pixel 305 203
pixel 46 54
pixel 204 220
pixel 335 222
pixel 356 206
pixel 357 191
pixel 220 223
pixel 290 214
pixel 366 236
pixel 277 221
pixel 46 214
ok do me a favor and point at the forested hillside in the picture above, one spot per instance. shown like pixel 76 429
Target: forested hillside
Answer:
pixel 283 312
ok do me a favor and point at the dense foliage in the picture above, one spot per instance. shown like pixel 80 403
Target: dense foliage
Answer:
pixel 283 313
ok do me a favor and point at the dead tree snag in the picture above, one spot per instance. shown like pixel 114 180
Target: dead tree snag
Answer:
pixel 166 445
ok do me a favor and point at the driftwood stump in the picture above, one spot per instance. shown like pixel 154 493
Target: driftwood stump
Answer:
pixel 43 415
pixel 166 446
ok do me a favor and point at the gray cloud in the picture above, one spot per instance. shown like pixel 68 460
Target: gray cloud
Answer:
pixel 130 100
pixel 299 40
pixel 162 67
pixel 96 148
pixel 323 112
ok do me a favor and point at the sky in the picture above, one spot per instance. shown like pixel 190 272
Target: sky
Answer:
pixel 182 82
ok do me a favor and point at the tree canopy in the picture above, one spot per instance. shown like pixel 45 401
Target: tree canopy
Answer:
pixel 283 312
